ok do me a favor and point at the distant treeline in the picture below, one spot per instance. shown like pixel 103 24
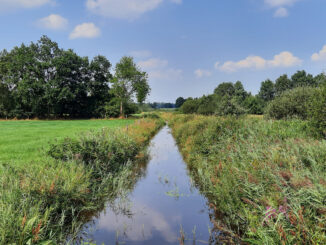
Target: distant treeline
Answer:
pixel 232 99
pixel 45 81
pixel 161 105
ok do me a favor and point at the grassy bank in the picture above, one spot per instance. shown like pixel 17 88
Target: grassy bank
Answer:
pixel 45 200
pixel 265 179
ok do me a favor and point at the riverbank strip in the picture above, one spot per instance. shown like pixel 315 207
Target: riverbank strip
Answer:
pixel 47 202
pixel 265 179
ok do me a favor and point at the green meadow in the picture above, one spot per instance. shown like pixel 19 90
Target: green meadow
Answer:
pixel 26 141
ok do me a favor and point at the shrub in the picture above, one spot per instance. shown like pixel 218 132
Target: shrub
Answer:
pixel 190 106
pixel 317 112
pixel 291 104
pixel 229 106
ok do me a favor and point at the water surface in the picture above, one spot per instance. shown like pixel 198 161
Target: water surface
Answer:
pixel 163 205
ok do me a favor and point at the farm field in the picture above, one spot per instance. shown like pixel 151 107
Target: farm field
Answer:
pixel 26 141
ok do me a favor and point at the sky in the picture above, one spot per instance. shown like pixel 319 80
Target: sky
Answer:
pixel 187 47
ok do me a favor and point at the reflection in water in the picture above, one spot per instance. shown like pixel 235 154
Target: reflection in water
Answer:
pixel 163 206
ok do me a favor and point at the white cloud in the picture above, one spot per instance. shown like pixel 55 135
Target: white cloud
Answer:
pixel 284 59
pixel 153 63
pixel 140 53
pixel 202 73
pixel 53 22
pixel 13 4
pixel 124 9
pixel 321 55
pixel 85 30
pixel 281 12
pixel 279 3
pixel 158 69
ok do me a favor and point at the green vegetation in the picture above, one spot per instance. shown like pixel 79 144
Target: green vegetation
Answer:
pixel 294 103
pixel 265 179
pixel 232 99
pixel 26 141
pixel 44 81
pixel 48 199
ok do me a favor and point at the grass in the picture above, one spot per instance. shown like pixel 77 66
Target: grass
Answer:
pixel 265 179
pixel 25 141
pixel 46 198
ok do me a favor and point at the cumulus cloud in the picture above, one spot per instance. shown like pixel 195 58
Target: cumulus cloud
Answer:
pixel 321 55
pixel 123 9
pixel 281 12
pixel 140 53
pixel 279 3
pixel 284 59
pixel 202 73
pixel 53 22
pixel 153 63
pixel 159 69
pixel 13 4
pixel 85 30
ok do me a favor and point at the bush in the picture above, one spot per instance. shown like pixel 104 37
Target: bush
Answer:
pixel 317 112
pixel 229 106
pixel 106 151
pixel 291 104
pixel 190 106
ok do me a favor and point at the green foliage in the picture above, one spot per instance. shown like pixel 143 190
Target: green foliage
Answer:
pixel 302 79
pixel 47 201
pixel 267 91
pixel 282 84
pixel 179 102
pixel 317 112
pixel 291 104
pixel 254 105
pixel 225 89
pixel 129 81
pixel 189 106
pixel 265 179
pixel 42 80
pixel 229 106
pixel 25 141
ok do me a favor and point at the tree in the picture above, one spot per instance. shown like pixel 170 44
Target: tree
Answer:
pixel 320 79
pixel 317 112
pixel 129 81
pixel 179 102
pixel 254 105
pixel 190 106
pixel 225 89
pixel 292 103
pixel 267 90
pixel 98 84
pixel 239 92
pixel 282 84
pixel 302 79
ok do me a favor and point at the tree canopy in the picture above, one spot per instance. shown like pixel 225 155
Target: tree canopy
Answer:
pixel 43 80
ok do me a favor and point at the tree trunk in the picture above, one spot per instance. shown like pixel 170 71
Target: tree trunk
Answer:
pixel 121 110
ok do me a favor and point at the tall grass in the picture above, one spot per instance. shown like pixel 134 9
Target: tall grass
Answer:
pixel 47 202
pixel 265 179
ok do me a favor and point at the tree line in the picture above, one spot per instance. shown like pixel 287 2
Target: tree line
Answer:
pixel 232 99
pixel 45 81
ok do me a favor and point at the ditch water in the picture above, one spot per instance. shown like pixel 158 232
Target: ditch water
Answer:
pixel 163 207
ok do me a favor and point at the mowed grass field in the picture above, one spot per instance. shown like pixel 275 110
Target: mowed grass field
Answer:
pixel 27 141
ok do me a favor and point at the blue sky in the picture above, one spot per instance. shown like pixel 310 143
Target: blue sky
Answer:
pixel 188 47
